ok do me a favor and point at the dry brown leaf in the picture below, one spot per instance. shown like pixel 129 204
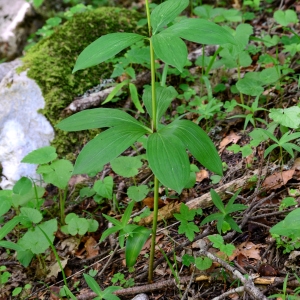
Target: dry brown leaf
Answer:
pixel 200 176
pixel 91 247
pixel 55 268
pixel 231 138
pixel 149 201
pixel 247 249
pixel 278 179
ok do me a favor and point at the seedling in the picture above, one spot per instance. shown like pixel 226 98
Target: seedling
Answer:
pixel 107 294
pixel 224 221
pixel 185 217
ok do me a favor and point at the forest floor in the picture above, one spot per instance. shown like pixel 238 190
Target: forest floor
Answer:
pixel 268 185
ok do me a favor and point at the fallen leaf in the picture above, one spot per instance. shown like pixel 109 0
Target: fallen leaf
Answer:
pixel 248 250
pixel 91 247
pixel 200 176
pixel 149 201
pixel 231 138
pixel 55 268
pixel 278 179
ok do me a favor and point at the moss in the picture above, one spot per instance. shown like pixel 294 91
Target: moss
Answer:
pixel 50 64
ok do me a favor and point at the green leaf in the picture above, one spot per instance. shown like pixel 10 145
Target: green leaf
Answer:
pixel 115 91
pixel 249 86
pixel 57 173
pixel 187 260
pixel 289 226
pixel 98 118
pixel 40 156
pixel 168 160
pixel 217 240
pixel 228 249
pixel 203 263
pixel 269 75
pixel 35 241
pixel 32 214
pixel 135 243
pixel 11 245
pixel 286 17
pixel 126 216
pixel 289 117
pixel 105 147
pixel 135 97
pixel 5 201
pixel 93 285
pixel 185 213
pixel 126 166
pixel 200 31
pixel 217 201
pixel 137 193
pixel 164 97
pixel 10 225
pixel 104 187
pixel 108 293
pixel 189 229
pixel 170 49
pixel 93 225
pixel 78 226
pixel 198 143
pixel 166 12
pixel 22 186
pixel 104 48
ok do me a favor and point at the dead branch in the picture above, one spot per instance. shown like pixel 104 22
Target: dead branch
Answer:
pixel 205 200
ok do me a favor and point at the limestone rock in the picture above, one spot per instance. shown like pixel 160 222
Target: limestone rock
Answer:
pixel 22 128
pixel 17 21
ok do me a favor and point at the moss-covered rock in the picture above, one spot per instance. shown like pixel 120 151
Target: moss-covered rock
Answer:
pixel 50 64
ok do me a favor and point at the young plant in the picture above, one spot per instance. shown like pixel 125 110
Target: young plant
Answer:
pixel 286 232
pixel 55 171
pixel 185 217
pixel 282 143
pixel 119 277
pixel 107 294
pixel 166 145
pixel 224 221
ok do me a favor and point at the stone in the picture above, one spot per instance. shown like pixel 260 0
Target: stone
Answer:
pixel 33 96
pixel 22 128
pixel 18 20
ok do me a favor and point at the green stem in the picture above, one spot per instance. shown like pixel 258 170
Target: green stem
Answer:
pixel 239 77
pixel 154 128
pixel 154 227
pixel 153 88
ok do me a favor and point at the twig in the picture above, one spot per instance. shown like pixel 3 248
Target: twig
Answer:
pixel 141 289
pixel 248 283
pixel 108 261
pixel 224 295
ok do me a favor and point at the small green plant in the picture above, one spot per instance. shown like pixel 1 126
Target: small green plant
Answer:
pixel 250 116
pixel 286 232
pixel 119 277
pixel 204 263
pixel 282 143
pixel 4 275
pixel 135 235
pixel 55 171
pixel 166 145
pixel 185 217
pixel 106 294
pixel 224 221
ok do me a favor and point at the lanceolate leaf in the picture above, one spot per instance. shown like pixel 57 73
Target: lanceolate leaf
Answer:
pixel 105 147
pixel 164 97
pixel 98 118
pixel 104 48
pixel 168 160
pixel 200 31
pixel 166 12
pixel 170 49
pixel 198 143
pixel 135 243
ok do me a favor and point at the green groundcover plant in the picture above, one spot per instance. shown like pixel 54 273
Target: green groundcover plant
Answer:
pixel 166 145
